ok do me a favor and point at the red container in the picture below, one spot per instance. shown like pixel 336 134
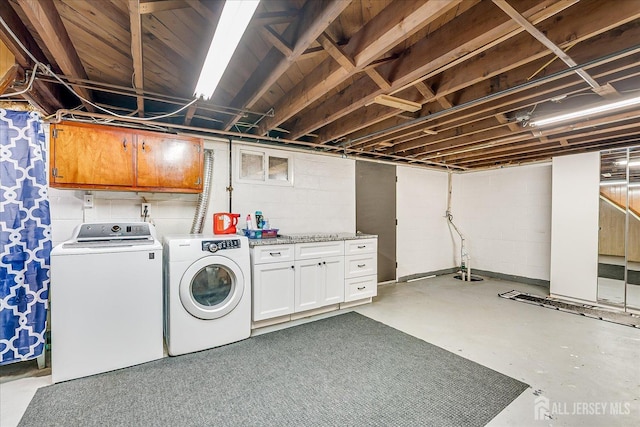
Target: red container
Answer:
pixel 225 223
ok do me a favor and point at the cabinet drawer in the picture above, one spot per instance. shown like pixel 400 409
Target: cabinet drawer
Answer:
pixel 361 287
pixel 360 246
pixel 360 265
pixel 272 253
pixel 319 249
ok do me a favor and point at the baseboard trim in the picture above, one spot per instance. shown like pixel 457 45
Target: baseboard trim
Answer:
pixel 492 274
pixel 512 278
pixel 427 274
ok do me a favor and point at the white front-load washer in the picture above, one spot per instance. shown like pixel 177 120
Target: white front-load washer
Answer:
pixel 207 284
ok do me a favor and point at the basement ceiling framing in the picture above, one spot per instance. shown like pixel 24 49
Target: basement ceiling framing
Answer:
pixel 307 73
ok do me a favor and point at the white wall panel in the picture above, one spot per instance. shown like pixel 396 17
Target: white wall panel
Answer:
pixel 424 243
pixel 505 216
pixel 322 200
pixel 574 243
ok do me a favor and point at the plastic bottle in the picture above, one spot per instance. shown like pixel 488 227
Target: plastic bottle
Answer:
pixel 248 226
pixel 259 219
pixel 265 224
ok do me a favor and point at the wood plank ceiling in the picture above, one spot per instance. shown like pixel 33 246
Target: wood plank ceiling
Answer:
pixel 311 73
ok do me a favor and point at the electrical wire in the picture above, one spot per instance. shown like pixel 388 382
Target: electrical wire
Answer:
pixel 45 68
pixel 29 85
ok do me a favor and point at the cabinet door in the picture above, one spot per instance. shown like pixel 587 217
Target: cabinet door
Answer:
pixel 309 285
pixel 90 155
pixel 333 269
pixel 273 290
pixel 169 162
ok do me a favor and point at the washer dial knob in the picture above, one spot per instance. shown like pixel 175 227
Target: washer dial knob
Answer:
pixel 212 247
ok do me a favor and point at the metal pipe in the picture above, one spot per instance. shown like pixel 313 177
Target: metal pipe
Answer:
pixel 230 187
pixel 532 83
pixel 204 196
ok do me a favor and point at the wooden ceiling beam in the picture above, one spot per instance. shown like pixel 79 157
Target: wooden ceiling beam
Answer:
pixel 521 51
pixel 437 52
pixel 496 143
pixel 603 43
pixel 212 16
pixel 274 38
pixel 429 95
pixel 314 19
pixel 394 24
pixel 336 52
pixel 44 96
pixel 532 97
pixel 136 53
pixel 528 148
pixel 274 18
pixel 44 17
pixel 158 6
pixel 557 50
pixel 8 78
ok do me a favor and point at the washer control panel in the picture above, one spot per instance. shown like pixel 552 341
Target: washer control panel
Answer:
pixel 219 245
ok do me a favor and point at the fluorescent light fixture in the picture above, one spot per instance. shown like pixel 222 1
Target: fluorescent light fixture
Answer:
pixel 392 101
pixel 602 108
pixel 633 164
pixel 234 20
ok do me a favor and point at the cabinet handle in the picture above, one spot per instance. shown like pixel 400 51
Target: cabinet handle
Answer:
pixel 319 263
pixel 324 262
pixel 143 147
pixel 124 144
pixel 362 246
pixel 364 287
pixel 293 266
pixel 275 253
pixel 361 265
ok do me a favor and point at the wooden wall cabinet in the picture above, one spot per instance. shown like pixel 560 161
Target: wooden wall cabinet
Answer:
pixel 95 157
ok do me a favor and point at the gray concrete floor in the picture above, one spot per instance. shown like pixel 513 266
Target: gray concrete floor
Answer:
pixel 580 365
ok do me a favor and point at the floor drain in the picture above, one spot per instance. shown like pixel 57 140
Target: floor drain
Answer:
pixel 473 278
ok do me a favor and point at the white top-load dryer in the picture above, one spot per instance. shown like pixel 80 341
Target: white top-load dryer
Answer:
pixel 106 299
pixel 207 283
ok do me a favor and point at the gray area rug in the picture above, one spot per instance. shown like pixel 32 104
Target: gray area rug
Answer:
pixel 594 312
pixel 346 370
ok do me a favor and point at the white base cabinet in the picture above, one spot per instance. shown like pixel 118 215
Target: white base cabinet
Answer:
pixel 319 282
pixel 297 278
pixel 273 290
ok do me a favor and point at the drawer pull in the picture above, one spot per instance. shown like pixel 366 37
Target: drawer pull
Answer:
pixel 362 246
pixel 362 265
pixel 364 287
pixel 275 253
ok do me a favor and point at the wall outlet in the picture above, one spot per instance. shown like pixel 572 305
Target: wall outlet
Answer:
pixel 88 201
pixel 145 210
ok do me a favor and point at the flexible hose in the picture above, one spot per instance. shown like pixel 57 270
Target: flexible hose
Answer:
pixel 203 198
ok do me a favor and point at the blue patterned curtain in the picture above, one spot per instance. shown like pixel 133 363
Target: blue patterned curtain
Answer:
pixel 25 237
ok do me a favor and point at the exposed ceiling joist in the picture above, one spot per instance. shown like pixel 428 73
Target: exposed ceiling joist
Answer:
pixel 384 31
pixel 136 53
pixel 427 55
pixel 314 18
pixel 44 17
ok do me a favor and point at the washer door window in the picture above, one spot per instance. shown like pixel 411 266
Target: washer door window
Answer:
pixel 211 287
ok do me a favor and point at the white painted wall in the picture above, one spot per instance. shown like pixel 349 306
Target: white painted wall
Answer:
pixel 574 243
pixel 322 199
pixel 424 243
pixel 505 216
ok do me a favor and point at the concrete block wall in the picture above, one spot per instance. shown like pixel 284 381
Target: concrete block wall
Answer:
pixel 322 199
pixel 424 241
pixel 505 215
